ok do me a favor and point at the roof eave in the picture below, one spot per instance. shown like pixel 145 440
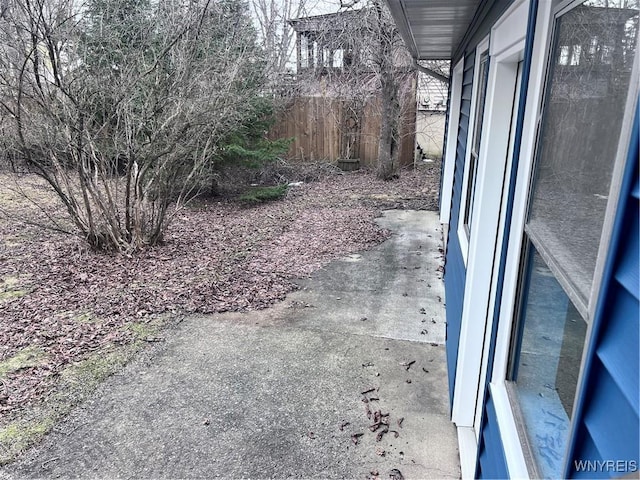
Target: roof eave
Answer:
pixel 433 29
pixel 396 7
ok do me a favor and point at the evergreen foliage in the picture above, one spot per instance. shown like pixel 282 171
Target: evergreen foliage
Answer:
pixel 248 144
pixel 264 194
pixel 128 106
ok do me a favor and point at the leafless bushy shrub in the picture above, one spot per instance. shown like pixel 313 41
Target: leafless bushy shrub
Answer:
pixel 121 106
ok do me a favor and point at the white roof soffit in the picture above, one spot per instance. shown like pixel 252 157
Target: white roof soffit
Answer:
pixel 433 29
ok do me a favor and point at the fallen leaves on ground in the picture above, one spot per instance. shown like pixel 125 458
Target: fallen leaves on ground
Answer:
pixel 219 256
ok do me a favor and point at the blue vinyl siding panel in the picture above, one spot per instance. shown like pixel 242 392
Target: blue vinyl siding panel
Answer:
pixel 454 279
pixel 627 273
pixel 455 271
pixel 619 345
pixel 607 416
pixel 491 459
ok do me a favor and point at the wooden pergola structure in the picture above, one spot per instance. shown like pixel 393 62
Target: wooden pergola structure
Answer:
pixel 329 41
pixel 335 115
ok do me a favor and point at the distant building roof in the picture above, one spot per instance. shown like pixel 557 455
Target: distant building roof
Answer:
pixel 339 21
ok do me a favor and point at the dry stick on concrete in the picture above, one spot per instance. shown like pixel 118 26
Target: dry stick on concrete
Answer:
pixel 380 420
pixel 407 365
pixel 381 434
pixel 46 463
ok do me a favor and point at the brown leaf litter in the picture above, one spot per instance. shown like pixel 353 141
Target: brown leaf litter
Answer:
pixel 219 256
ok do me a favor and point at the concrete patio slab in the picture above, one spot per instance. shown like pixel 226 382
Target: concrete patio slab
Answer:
pixel 278 393
pixel 397 286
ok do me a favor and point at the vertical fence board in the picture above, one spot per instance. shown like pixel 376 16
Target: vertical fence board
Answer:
pixel 317 126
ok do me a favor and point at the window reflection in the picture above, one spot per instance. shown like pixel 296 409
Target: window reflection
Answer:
pixel 582 122
pixel 546 373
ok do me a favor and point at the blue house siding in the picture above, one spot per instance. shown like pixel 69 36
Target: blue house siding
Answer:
pixel 607 415
pixel 454 279
pixel 491 460
pixel 455 271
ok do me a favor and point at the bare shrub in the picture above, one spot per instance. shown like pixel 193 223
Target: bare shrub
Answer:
pixel 123 107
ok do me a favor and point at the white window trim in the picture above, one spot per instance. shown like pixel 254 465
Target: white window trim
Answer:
pixel 463 238
pixel 467 446
pixel 527 149
pixel 452 141
pixel 506 420
pixel 507 73
pixel 514 454
pixel 507 48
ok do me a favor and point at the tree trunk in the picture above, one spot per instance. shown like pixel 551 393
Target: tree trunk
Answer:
pixel 387 148
pixel 390 107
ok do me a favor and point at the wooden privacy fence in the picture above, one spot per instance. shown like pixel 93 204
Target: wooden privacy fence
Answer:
pixel 331 129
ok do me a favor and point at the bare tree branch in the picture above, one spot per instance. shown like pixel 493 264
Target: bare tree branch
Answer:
pixel 431 72
pixel 122 106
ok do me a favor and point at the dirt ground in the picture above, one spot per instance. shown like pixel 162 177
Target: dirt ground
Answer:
pixel 69 317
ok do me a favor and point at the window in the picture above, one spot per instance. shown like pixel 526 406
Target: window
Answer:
pixel 573 170
pixel 483 73
pixel 474 137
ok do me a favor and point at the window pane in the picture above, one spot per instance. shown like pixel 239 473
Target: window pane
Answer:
pixel 589 80
pixel 547 368
pixel 483 73
pixel 471 189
